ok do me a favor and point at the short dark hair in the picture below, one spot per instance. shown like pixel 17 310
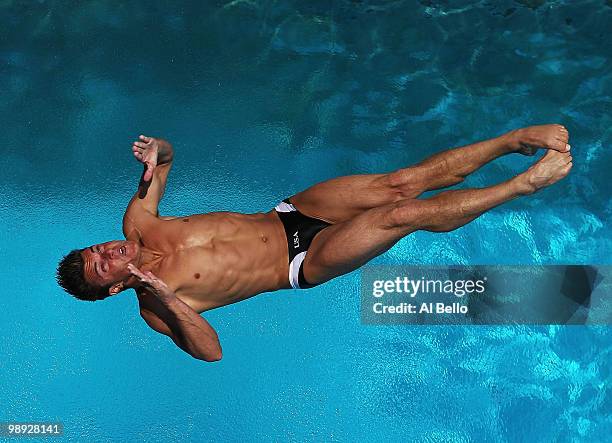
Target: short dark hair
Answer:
pixel 70 276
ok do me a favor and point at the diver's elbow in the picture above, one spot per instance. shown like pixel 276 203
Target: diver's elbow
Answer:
pixel 209 356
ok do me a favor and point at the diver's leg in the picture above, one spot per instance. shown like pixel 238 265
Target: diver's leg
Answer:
pixel 450 167
pixel 343 247
pixel 342 198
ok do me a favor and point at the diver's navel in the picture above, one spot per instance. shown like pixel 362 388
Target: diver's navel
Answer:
pixel 264 239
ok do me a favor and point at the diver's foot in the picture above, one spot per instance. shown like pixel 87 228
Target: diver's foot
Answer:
pixel 548 170
pixel 528 140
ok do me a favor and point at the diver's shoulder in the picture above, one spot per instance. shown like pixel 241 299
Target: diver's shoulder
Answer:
pixel 136 220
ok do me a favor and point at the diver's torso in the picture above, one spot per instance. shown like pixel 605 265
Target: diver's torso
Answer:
pixel 215 259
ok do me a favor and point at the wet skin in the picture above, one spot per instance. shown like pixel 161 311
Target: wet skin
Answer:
pixel 182 266
pixel 206 260
pixel 211 260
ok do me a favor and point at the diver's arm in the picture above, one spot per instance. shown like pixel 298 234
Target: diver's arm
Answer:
pixel 187 329
pixel 156 155
pixel 168 314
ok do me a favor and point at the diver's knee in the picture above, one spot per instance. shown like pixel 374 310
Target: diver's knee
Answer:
pixel 405 184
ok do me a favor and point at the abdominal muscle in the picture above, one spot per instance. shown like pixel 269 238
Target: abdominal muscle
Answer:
pixel 222 258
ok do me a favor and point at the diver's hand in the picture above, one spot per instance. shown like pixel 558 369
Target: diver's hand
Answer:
pixel 153 284
pixel 146 151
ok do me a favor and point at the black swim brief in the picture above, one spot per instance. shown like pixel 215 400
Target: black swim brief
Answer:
pixel 300 230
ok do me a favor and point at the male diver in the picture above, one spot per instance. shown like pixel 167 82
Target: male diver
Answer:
pixel 182 266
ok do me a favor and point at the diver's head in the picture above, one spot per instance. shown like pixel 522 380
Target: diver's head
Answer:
pixel 98 271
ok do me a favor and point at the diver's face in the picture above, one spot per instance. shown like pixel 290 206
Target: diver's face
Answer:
pixel 106 263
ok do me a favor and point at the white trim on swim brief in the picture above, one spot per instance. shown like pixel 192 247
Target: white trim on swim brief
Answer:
pixel 285 207
pixel 294 269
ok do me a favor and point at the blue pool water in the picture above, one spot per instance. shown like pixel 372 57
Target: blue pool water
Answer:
pixel 262 99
